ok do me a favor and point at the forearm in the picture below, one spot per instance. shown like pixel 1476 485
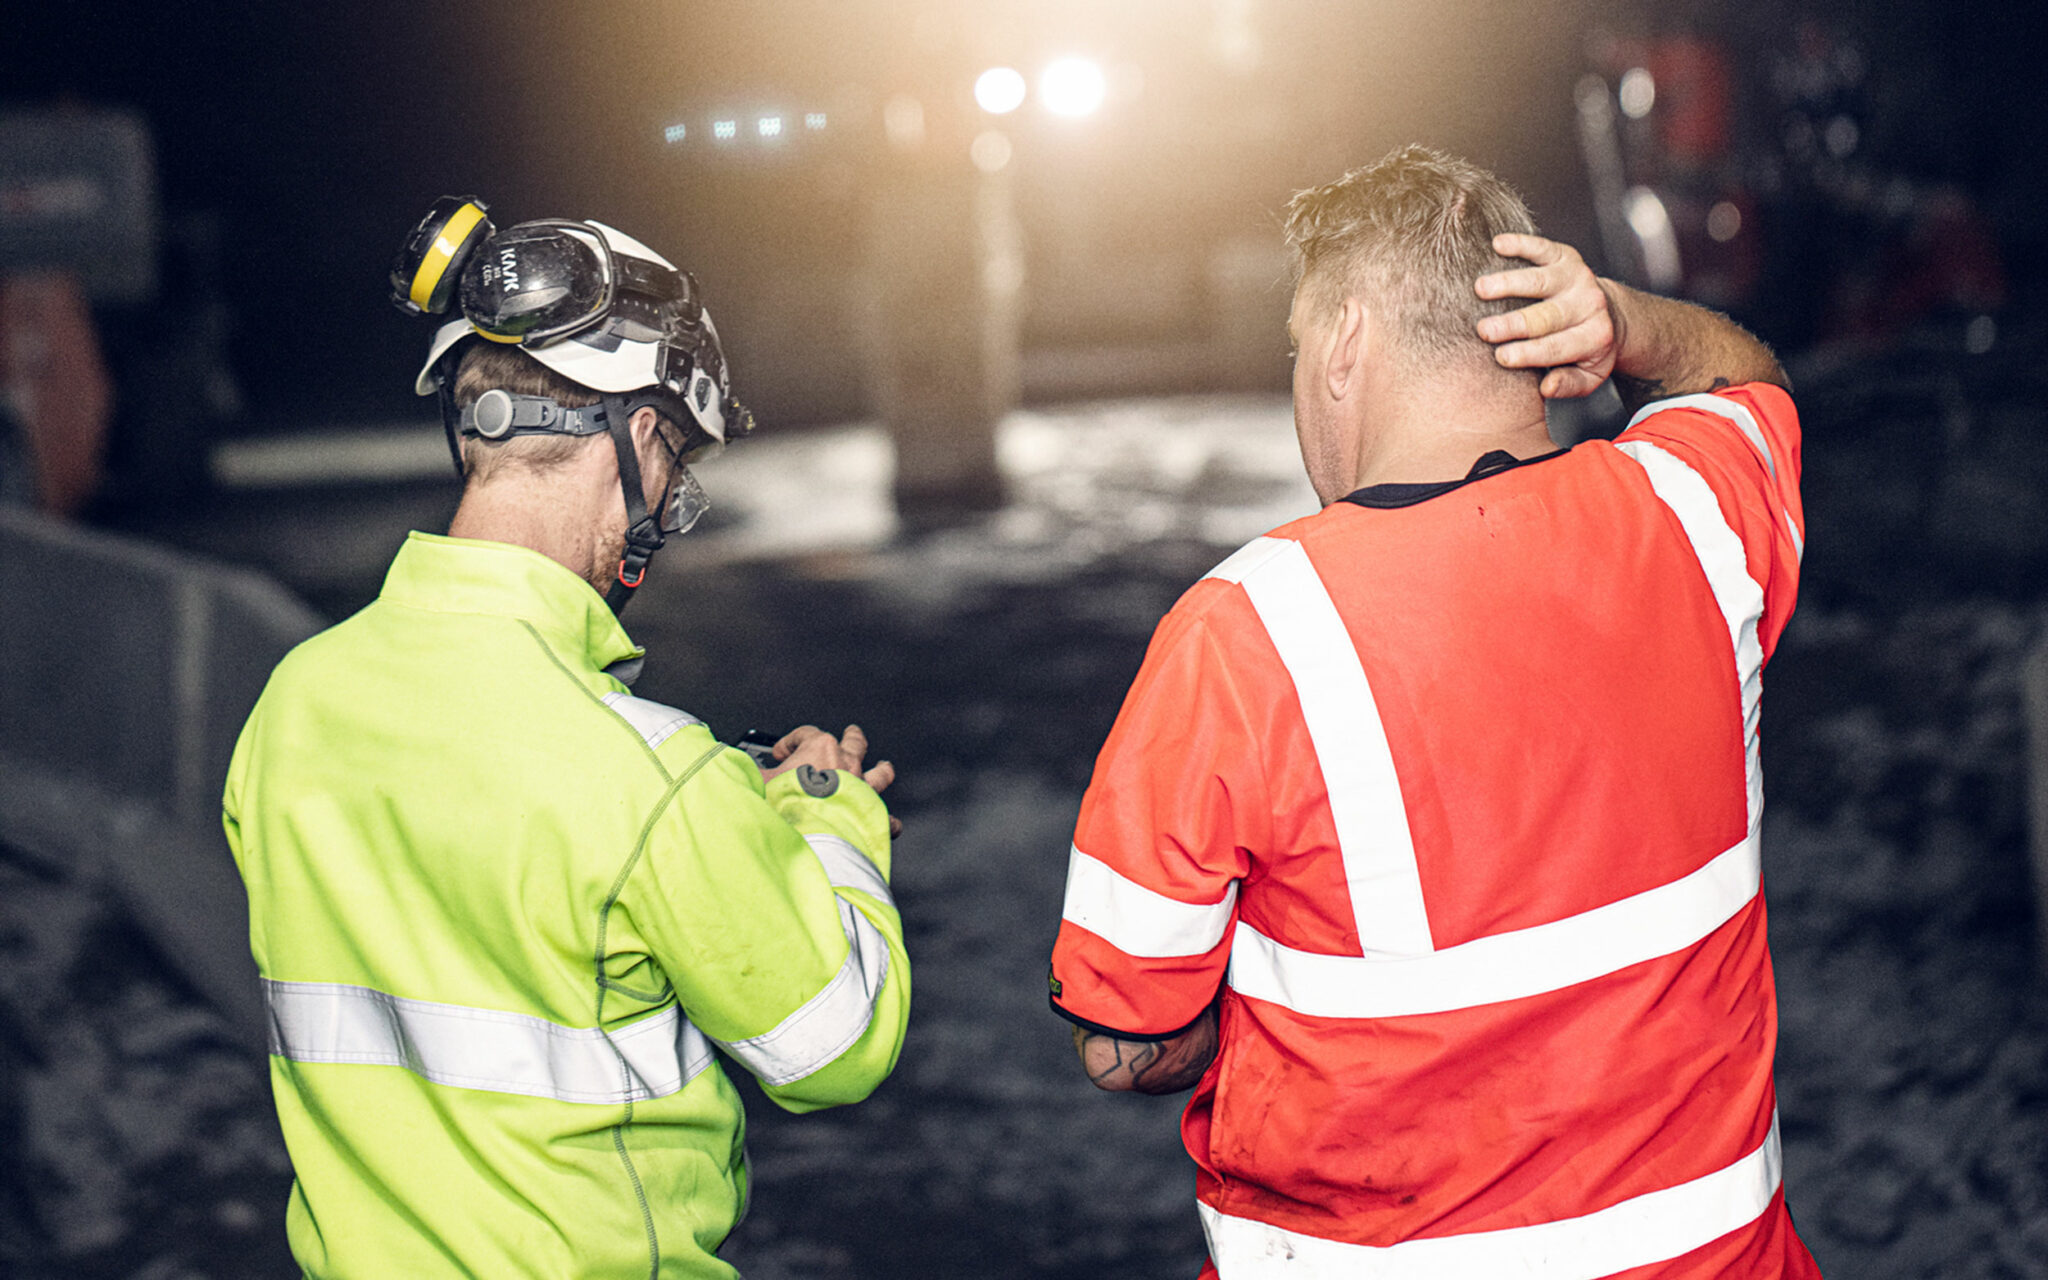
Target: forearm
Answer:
pixel 1149 1066
pixel 1664 348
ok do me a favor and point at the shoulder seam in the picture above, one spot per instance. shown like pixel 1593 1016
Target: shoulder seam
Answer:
pixel 597 701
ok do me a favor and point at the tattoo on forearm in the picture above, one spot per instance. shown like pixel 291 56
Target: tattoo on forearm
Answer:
pixel 1131 1058
pixel 1149 1066
pixel 1637 392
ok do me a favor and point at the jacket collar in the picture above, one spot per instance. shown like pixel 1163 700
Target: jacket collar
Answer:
pixel 463 575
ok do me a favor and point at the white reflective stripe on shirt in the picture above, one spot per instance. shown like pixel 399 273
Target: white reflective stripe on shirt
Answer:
pixel 1350 742
pixel 846 867
pixel 1722 407
pixel 1721 556
pixel 654 722
pixel 1650 1228
pixel 488 1049
pixel 1501 966
pixel 828 1023
pixel 1136 920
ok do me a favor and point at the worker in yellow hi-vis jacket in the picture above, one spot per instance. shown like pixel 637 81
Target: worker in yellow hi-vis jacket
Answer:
pixel 503 909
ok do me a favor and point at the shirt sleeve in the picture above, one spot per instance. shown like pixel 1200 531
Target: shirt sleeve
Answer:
pixel 1177 801
pixel 770 909
pixel 1744 442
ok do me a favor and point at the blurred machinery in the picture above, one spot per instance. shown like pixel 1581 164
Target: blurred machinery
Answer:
pixel 1764 185
pixel 77 223
pixel 113 322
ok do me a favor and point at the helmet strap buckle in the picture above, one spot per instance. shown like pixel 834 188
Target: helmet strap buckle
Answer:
pixel 643 531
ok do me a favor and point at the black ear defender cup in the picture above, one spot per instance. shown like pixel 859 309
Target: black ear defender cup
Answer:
pixel 493 414
pixel 423 278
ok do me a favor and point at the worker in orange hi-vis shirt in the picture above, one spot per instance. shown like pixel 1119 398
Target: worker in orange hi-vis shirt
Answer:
pixel 1425 846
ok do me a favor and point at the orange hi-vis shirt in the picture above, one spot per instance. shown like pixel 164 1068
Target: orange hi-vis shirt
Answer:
pixel 1457 802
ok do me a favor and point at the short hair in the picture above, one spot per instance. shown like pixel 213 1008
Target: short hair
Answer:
pixel 487 366
pixel 1411 233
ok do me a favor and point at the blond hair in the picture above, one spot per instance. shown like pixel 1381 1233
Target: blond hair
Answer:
pixel 1410 233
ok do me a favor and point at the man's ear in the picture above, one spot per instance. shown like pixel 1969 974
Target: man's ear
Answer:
pixel 1344 358
pixel 648 446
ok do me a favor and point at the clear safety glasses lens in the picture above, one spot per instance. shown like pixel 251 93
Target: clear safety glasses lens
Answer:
pixel 537 282
pixel 687 503
pixel 702 453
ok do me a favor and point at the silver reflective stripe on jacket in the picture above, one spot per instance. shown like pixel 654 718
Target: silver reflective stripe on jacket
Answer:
pixel 489 1049
pixel 828 1024
pixel 654 722
pixel 848 868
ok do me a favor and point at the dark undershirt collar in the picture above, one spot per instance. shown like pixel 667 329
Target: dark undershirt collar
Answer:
pixel 1383 496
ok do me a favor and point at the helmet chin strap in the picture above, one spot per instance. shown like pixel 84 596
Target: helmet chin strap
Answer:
pixel 643 531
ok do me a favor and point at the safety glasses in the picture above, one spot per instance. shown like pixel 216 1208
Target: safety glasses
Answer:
pixel 687 503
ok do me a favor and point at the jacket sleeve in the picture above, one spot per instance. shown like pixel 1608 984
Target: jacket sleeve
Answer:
pixel 771 912
pixel 1745 443
pixel 1177 799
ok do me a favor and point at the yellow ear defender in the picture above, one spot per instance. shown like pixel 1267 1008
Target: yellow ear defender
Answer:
pixel 423 278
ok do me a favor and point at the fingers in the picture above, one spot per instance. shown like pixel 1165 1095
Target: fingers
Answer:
pixel 1569 303
pixel 812 745
pixel 1573 343
pixel 1532 321
pixel 1565 291
pixel 808 744
pixel 789 742
pixel 1520 282
pixel 1537 249
pixel 1568 383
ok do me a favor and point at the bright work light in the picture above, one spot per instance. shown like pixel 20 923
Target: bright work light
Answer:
pixel 1000 90
pixel 1072 87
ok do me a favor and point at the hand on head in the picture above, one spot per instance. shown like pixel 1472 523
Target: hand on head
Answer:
pixel 1571 329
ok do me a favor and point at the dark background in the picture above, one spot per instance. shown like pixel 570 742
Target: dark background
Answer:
pixel 309 137
pixel 295 144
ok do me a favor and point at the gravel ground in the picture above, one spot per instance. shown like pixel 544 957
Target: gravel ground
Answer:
pixel 988 663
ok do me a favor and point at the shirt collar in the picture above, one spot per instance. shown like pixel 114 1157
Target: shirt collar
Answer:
pixel 464 575
pixel 1388 496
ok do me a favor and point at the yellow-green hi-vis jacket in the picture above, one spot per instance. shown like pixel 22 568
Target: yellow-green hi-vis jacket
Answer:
pixel 503 911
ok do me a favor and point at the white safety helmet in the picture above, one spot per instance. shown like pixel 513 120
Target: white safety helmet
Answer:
pixel 594 305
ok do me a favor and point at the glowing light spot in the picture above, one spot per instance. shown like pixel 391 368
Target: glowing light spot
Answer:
pixel 1841 136
pixel 1072 87
pixel 725 130
pixel 814 120
pixel 903 122
pixel 1724 222
pixel 1651 222
pixel 1980 336
pixel 990 150
pixel 1638 92
pixel 676 133
pixel 770 126
pixel 1000 90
